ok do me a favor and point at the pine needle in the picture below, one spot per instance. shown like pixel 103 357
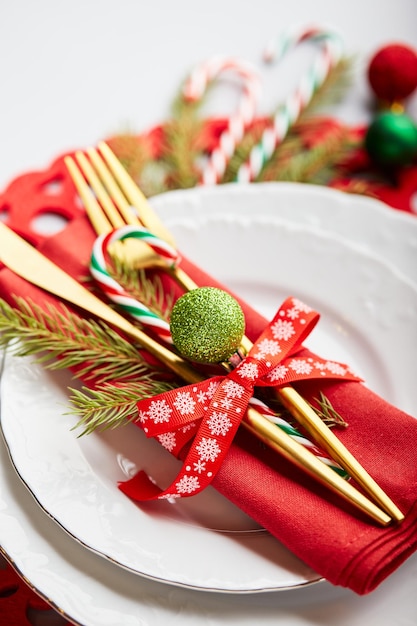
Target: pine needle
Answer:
pixel 133 154
pixel 60 339
pixel 109 406
pixel 316 165
pixel 332 90
pixel 148 290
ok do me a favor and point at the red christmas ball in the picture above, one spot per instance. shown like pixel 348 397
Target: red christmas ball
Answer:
pixel 392 72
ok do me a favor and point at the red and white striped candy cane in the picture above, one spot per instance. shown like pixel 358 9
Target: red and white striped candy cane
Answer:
pixel 115 292
pixel 244 115
pixel 287 114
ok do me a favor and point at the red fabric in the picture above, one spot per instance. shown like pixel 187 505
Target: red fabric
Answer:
pixel 341 547
pixel 19 605
pixel 338 544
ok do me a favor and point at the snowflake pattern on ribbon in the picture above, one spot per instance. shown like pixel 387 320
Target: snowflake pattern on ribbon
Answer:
pixel 209 413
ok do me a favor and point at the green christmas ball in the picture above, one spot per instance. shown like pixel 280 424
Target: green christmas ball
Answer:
pixel 207 325
pixel 391 139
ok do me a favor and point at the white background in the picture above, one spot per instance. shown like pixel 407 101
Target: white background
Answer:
pixel 75 71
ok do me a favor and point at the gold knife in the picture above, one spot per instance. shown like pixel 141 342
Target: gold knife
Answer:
pixel 27 262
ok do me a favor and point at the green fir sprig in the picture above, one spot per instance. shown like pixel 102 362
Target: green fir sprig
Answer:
pixel 110 406
pixel 326 411
pixel 59 339
pixel 318 165
pixel 148 290
pixel 333 89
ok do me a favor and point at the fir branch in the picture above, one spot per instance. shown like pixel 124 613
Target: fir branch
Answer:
pixel 132 153
pixel 322 406
pixel 241 154
pixel 332 90
pixel 110 406
pixel 60 339
pixel 181 141
pixel 148 290
pixel 136 154
pixel 181 151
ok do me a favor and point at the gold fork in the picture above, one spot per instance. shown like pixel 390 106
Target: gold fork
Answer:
pixel 117 193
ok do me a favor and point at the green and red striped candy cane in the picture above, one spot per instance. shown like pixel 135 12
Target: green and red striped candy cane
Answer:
pixel 114 291
pixel 328 56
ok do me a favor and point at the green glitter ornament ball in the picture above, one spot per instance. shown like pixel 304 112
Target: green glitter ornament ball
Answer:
pixel 391 139
pixel 207 325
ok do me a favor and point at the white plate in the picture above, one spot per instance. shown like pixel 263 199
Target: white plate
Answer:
pixel 28 562
pixel 263 259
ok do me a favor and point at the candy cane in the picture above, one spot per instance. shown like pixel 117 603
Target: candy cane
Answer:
pixel 114 291
pixel 194 88
pixel 288 113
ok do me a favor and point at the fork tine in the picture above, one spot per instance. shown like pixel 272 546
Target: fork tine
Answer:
pixel 117 197
pixel 125 251
pixel 96 216
pixel 146 215
pixel 96 185
pixel 124 214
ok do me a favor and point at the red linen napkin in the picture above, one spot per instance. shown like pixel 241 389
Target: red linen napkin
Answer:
pixel 326 534
pixel 343 548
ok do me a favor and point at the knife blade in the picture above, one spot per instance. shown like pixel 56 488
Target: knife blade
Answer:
pixel 23 259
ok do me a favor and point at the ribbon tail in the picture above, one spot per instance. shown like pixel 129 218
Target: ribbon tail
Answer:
pixel 208 449
pixel 140 487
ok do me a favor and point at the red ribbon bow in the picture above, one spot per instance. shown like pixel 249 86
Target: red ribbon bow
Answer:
pixel 211 411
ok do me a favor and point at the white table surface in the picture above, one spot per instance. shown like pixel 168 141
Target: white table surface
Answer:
pixel 75 71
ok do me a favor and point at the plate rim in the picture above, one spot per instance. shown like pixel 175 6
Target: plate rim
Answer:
pixel 373 207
